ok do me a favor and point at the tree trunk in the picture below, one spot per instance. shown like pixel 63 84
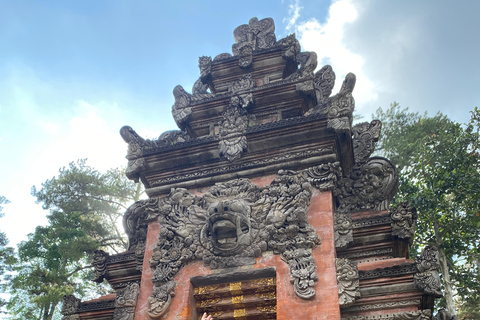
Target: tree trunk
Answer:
pixel 447 283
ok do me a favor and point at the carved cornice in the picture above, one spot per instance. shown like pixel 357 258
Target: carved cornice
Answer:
pixel 403 269
pixel 70 304
pixel 382 305
pixel 96 305
pixel 347 281
pixel 411 315
pixel 231 225
pixel 368 253
pixel 427 278
pixel 404 221
pixel 371 221
pixel 99 264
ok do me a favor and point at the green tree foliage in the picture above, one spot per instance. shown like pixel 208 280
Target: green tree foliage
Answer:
pixel 85 207
pixel 438 161
pixel 7 257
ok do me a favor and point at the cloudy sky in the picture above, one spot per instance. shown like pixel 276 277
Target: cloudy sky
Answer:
pixel 72 73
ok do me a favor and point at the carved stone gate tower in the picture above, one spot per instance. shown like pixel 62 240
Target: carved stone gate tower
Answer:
pixel 265 204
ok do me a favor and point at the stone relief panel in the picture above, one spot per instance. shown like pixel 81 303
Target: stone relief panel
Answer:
pixel 125 302
pixel 427 278
pixel 348 281
pixel 343 226
pixel 231 225
pixel 404 221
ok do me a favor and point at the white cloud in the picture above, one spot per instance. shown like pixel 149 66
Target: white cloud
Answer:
pixel 294 14
pixel 328 41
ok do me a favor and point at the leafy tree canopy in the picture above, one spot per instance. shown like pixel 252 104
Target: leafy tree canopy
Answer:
pixel 438 161
pixel 85 208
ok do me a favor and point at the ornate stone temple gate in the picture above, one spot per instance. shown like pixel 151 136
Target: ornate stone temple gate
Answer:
pixel 266 204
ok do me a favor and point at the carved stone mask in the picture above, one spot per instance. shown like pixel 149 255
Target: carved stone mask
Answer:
pixel 228 229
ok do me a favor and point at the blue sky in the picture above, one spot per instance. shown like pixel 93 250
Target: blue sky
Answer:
pixel 73 72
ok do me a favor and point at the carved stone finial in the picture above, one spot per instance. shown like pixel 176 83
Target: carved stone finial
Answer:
pixel 181 110
pixel 324 81
pixel 364 137
pixel 404 221
pixel 324 176
pixel 348 281
pixel 343 226
pixel 427 278
pixel 341 106
pixel 70 304
pixel 253 36
pixel 100 265
pixel 205 66
pixel 134 153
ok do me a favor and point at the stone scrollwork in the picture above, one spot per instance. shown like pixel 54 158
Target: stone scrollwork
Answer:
pixel 427 278
pixel 255 35
pixel 343 226
pixel 324 176
pixel 100 265
pixel 414 315
pixel 70 306
pixel 231 225
pixel 125 302
pixel 369 187
pixel 404 221
pixel 365 135
pixel 348 281
pixel 324 81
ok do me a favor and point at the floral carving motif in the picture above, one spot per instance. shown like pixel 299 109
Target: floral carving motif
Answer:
pixel 427 278
pixel 231 225
pixel 127 297
pixel 365 135
pixel 343 230
pixel 100 265
pixel 348 281
pixel 404 221
pixel 324 80
pixel 369 187
pixel 324 176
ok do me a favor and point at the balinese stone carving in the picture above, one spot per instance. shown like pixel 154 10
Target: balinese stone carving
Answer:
pixel 137 144
pixel 348 281
pixel 308 63
pixel 443 314
pixel 427 278
pixel 343 230
pixel 231 225
pixel 199 88
pixel 100 265
pixel 205 66
pixel 324 80
pixel 134 154
pixel 324 176
pixel 290 47
pixel 135 224
pixel 181 110
pixel 253 36
pixel 233 129
pixel 341 106
pixel 127 297
pixel 245 83
pixel 369 187
pixel 365 135
pixel 70 305
pixel 404 221
pixel 411 315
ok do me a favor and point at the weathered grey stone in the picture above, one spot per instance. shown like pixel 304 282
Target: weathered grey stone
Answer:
pixel 347 281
